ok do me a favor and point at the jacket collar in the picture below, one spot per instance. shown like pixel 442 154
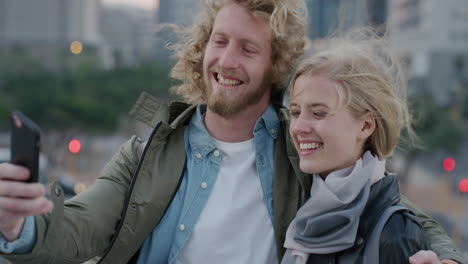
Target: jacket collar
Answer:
pixel 151 110
pixel 383 194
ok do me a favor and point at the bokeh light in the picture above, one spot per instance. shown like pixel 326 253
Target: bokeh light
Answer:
pixel 76 47
pixel 79 188
pixel 449 164
pixel 74 146
pixel 463 186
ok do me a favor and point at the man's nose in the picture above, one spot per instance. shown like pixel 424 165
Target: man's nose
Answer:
pixel 229 58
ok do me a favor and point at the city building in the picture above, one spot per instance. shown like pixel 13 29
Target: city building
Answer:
pixel 179 12
pixel 45 29
pixel 328 16
pixel 432 36
pixel 129 33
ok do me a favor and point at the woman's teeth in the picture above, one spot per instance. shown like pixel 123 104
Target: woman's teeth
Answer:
pixel 307 146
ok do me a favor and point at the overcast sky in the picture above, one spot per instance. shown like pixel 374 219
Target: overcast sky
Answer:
pixel 149 4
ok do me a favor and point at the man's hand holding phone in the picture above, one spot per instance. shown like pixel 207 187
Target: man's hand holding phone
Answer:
pixel 20 194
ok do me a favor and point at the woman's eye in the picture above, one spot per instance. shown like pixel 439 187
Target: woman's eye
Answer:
pixel 294 113
pixel 320 113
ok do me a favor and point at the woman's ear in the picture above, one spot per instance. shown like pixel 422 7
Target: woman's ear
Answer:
pixel 368 125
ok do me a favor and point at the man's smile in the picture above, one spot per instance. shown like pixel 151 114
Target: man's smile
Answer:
pixel 226 80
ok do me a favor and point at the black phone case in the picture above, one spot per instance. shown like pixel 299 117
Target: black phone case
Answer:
pixel 25 144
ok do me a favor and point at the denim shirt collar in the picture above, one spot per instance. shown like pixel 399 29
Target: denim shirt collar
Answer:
pixel 200 140
pixel 269 120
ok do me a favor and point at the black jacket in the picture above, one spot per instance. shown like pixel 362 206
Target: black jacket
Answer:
pixel 400 238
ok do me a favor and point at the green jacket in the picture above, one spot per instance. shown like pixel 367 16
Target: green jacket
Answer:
pixel 111 220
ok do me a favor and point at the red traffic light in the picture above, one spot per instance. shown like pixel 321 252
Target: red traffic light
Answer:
pixel 463 186
pixel 74 146
pixel 449 164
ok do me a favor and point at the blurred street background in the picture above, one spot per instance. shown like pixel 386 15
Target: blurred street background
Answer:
pixel 77 66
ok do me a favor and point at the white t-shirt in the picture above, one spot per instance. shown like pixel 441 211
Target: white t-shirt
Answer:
pixel 234 227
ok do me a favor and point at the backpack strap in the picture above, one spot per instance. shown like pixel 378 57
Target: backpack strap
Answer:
pixel 371 252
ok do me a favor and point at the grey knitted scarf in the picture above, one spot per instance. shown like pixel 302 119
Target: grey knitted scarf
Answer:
pixel 329 220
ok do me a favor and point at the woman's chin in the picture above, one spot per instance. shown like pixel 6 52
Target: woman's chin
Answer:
pixel 310 168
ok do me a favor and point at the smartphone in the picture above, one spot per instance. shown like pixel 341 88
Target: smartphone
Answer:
pixel 25 144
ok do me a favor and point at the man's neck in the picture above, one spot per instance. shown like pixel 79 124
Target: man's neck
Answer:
pixel 237 128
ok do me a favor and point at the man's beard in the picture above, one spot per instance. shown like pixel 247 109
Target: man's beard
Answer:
pixel 223 103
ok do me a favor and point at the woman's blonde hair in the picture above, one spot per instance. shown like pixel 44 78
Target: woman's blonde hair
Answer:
pixel 372 80
pixel 288 20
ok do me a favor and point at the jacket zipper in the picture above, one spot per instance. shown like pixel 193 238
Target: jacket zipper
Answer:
pixel 130 190
pixel 134 260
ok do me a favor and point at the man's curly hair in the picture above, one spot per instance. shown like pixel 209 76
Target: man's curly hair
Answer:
pixel 288 21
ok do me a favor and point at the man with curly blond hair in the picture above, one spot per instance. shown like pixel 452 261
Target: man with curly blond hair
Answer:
pixel 218 179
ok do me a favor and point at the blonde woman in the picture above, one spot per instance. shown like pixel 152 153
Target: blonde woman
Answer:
pixel 347 110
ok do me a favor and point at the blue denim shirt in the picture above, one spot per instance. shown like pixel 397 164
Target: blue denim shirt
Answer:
pixel 25 242
pixel 168 238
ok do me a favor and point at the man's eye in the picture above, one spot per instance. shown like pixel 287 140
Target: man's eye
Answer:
pixel 249 51
pixel 219 42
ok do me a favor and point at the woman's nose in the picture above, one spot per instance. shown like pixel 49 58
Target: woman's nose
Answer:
pixel 300 126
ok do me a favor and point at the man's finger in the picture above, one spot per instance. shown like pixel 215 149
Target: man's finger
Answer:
pixel 10 171
pixel 24 206
pixel 8 216
pixel 21 189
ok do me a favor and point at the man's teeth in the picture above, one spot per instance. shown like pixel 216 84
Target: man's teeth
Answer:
pixel 223 81
pixel 306 146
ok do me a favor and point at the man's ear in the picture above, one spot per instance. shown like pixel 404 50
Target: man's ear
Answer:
pixel 368 125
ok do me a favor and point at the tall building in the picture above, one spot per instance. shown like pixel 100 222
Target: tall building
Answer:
pixel 432 35
pixel 83 21
pixel 328 16
pixel 128 32
pixel 323 17
pixel 377 10
pixel 179 12
pixel 45 28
